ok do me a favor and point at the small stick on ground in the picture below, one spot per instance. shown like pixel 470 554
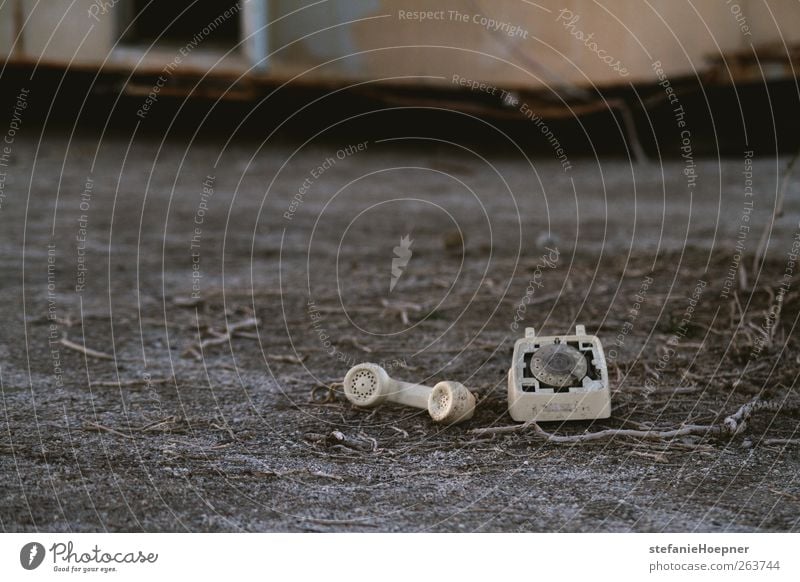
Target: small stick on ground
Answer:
pixel 287 358
pixel 220 338
pixel 356 344
pixel 188 301
pixel 400 430
pixel 162 425
pixel 743 277
pixel 89 425
pixel 309 471
pixel 84 350
pixel 324 475
pixel 780 442
pixel 340 522
pixel 135 382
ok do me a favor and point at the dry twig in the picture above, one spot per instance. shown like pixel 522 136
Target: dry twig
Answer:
pixel 730 426
pixel 780 442
pixel 134 382
pixel 84 350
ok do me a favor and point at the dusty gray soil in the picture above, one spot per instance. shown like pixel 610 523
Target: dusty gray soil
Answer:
pixel 158 439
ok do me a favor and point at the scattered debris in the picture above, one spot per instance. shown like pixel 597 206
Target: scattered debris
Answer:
pixel 338 439
pixel 325 393
pixel 218 338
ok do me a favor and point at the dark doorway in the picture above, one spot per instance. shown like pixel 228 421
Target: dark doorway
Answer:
pixel 177 23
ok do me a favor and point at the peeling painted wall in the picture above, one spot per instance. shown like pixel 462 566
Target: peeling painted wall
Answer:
pixel 58 33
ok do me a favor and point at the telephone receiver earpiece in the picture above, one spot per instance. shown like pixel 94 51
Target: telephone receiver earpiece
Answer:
pixel 369 385
pixel 450 403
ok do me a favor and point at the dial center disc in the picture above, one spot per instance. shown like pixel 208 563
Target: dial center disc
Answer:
pixel 558 365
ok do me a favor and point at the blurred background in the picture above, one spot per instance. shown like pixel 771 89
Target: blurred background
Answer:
pixel 590 70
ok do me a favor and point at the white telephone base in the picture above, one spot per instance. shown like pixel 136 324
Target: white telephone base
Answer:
pixel 557 378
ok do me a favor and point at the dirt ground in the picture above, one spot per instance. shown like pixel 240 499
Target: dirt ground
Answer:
pixel 150 431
